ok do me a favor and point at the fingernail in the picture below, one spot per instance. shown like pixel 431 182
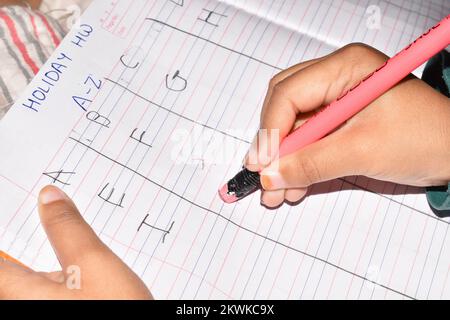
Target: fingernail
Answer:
pixel 51 194
pixel 272 180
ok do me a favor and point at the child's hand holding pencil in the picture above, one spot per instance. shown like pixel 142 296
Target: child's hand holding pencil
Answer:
pixel 403 136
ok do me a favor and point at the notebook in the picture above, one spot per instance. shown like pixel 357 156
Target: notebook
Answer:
pixel 147 107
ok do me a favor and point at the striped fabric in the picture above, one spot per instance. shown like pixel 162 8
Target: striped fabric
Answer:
pixel 27 39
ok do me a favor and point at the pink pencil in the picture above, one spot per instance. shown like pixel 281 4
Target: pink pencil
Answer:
pixel 349 104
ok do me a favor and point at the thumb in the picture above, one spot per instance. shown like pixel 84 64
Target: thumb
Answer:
pixel 335 156
pixel 71 237
pixel 76 244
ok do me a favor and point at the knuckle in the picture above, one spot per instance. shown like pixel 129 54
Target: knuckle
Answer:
pixel 363 57
pixel 361 53
pixel 61 217
pixel 308 170
pixel 358 49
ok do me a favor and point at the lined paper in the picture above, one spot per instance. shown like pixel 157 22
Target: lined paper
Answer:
pixel 148 106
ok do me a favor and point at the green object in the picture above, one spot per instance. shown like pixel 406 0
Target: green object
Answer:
pixel 437 74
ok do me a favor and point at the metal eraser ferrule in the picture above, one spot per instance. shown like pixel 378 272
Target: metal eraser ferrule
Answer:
pixel 244 183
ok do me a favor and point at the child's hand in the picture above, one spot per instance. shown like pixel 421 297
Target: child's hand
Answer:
pixel 102 274
pixel 403 136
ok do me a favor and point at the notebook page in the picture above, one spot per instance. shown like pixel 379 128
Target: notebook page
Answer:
pixel 148 106
pixel 385 25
